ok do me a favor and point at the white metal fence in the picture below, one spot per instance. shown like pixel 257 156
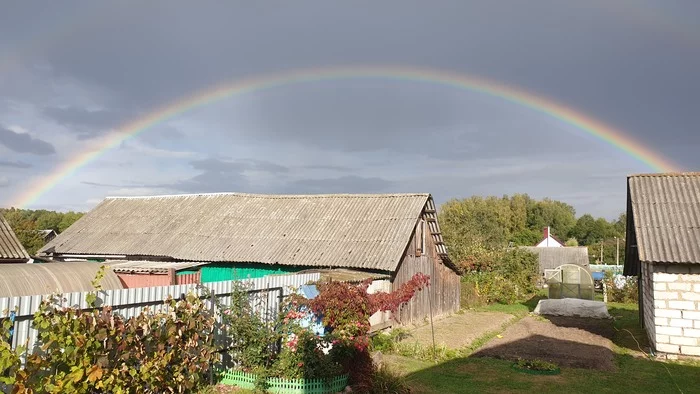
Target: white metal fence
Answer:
pixel 130 302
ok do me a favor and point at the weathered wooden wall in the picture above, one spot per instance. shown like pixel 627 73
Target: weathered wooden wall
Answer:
pixel 444 290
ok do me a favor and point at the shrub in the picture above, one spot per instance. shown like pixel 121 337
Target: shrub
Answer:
pixel 99 351
pixel 345 310
pixel 503 277
pixel 621 288
pixel 9 358
pixel 386 341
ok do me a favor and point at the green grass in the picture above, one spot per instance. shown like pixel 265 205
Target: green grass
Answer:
pixel 634 373
pixel 484 375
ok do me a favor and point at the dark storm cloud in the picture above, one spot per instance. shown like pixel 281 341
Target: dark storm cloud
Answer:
pixel 15 164
pixel 25 143
pixel 86 123
pixel 345 184
pixel 584 54
pixel 220 166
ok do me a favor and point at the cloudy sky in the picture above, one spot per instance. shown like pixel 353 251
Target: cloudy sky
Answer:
pixel 72 74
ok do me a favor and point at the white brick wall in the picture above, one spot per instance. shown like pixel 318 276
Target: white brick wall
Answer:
pixel 690 350
pixel 684 341
pixel 676 313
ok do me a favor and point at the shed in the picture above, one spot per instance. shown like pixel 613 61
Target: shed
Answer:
pixel 663 251
pixel 393 234
pixel 155 273
pixel 11 250
pixel 553 257
pixel 46 278
pixel 48 234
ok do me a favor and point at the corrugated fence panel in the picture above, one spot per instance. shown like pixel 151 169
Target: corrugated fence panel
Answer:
pixel 130 302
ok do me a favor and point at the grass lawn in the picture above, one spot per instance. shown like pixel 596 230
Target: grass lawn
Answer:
pixel 634 373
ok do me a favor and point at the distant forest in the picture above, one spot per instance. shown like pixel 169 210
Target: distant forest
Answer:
pixel 467 224
pixel 495 222
pixel 27 223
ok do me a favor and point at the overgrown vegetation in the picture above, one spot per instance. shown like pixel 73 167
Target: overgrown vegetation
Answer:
pixel 503 276
pixel 493 223
pixel 624 289
pixel 27 223
pixel 98 351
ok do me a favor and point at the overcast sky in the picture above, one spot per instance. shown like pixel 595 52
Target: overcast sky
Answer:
pixel 73 72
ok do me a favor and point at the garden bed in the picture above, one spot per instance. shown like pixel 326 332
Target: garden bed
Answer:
pixel 286 386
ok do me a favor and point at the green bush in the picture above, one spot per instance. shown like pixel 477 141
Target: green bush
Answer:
pixel 628 293
pixel 99 351
pixel 502 277
pixel 386 341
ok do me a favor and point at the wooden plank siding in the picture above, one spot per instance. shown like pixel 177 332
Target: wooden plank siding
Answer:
pixel 444 289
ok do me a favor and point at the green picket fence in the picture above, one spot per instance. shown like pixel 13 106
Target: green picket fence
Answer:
pixel 286 386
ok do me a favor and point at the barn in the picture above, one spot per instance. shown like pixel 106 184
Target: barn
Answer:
pixel 386 237
pixel 663 251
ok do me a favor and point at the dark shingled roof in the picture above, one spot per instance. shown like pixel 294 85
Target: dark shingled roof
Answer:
pixel 361 231
pixel 10 247
pixel 663 219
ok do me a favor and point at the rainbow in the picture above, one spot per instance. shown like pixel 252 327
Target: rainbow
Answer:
pixel 510 94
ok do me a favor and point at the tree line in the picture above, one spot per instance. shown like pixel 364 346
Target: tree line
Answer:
pixel 478 223
pixel 27 224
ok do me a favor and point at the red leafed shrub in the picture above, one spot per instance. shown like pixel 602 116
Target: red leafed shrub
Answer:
pixel 345 310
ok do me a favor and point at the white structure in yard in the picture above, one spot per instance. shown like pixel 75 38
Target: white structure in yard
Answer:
pixel 663 251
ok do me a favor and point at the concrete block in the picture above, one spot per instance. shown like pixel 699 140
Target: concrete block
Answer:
pixel 684 341
pixel 696 287
pixel 678 269
pixel 662 338
pixel 689 332
pixel 689 278
pixel 697 324
pixel 690 315
pixel 681 323
pixel 661 286
pixel 683 286
pixel 673 349
pixel 666 295
pixel 690 296
pixel 660 304
pixel 690 350
pixel 684 305
pixel 672 313
pixel 663 277
pixel 677 331
pixel 662 321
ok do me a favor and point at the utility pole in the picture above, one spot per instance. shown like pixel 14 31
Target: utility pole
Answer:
pixel 601 252
pixel 617 253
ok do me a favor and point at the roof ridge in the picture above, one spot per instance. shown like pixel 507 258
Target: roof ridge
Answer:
pixel 274 196
pixel 665 174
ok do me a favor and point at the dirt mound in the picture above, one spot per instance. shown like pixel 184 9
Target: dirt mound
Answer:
pixel 566 341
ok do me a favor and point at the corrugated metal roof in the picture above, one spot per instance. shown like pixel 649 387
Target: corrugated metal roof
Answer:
pixel 666 216
pixel 553 257
pixel 369 231
pixel 46 278
pixel 151 266
pixel 10 247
